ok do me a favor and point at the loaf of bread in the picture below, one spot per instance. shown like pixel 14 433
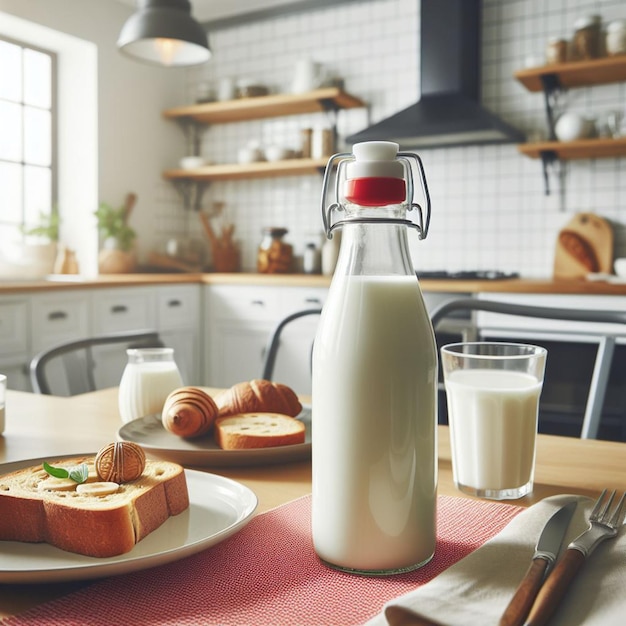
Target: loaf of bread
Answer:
pixel 580 249
pixel 257 430
pixel 36 507
pixel 258 396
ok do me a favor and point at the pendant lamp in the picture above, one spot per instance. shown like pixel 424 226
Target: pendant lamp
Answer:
pixel 163 32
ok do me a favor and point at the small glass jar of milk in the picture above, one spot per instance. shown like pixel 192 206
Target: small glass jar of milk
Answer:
pixel 374 391
pixel 150 375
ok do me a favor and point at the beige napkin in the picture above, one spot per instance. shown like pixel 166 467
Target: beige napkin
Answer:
pixel 477 589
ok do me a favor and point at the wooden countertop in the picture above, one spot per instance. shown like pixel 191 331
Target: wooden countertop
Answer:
pixel 521 285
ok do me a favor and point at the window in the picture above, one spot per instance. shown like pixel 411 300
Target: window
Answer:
pixel 27 136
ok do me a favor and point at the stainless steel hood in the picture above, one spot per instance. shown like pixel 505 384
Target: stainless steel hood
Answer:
pixel 448 112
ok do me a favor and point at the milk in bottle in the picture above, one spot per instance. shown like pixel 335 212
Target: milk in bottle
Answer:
pixel 374 378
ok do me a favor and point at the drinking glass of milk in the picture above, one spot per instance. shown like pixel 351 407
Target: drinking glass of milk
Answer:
pixel 493 399
pixel 150 375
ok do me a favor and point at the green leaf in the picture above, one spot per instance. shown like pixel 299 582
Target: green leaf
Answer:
pixel 57 472
pixel 79 473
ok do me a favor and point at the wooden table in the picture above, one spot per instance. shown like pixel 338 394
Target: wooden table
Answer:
pixel 39 426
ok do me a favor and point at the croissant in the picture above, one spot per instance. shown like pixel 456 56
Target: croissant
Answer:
pixel 189 412
pixel 258 396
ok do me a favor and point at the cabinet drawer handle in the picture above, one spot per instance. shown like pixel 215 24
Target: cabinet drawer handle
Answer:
pixel 257 303
pixel 57 315
pixel 174 303
pixel 313 301
pixel 119 308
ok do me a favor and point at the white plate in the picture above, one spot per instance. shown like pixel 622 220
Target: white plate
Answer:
pixel 219 507
pixel 149 433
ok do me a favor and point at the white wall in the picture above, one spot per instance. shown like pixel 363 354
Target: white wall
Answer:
pixel 489 207
pixel 132 143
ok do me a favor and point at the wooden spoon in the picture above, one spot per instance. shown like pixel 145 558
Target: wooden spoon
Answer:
pixel 129 205
pixel 208 229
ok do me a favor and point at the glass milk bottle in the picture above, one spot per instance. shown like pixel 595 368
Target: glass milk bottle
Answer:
pixel 150 375
pixel 374 397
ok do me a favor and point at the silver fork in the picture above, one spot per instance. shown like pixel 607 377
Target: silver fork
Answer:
pixel 604 524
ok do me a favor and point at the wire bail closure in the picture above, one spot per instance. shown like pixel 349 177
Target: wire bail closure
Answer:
pixel 421 222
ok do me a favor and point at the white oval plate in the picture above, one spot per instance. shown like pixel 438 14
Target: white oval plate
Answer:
pixel 218 508
pixel 149 433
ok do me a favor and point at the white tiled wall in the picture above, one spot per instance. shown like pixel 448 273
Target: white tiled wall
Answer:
pixel 489 207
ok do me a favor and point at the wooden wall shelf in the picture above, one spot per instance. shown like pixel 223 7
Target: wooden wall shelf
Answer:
pixel 576 73
pixel 243 109
pixel 580 149
pixel 260 169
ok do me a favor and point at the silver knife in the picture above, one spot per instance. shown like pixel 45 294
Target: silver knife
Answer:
pixel 543 560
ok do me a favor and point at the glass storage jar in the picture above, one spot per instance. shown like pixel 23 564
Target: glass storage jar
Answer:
pixel 274 255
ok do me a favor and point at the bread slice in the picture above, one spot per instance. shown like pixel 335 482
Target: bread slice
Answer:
pixel 98 526
pixel 257 430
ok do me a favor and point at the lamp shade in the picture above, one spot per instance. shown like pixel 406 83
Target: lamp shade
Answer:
pixel 163 32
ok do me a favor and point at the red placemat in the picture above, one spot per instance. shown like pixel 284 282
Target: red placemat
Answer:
pixel 267 574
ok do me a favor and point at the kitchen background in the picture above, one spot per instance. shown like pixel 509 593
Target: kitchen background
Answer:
pixel 489 206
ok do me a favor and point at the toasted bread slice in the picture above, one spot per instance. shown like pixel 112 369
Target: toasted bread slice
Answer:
pixel 33 510
pixel 257 430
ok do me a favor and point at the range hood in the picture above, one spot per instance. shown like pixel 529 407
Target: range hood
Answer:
pixel 449 112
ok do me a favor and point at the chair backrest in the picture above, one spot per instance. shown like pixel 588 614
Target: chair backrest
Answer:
pixel 605 340
pixel 273 345
pixel 77 359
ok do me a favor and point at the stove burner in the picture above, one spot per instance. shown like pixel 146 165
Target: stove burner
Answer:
pixel 467 275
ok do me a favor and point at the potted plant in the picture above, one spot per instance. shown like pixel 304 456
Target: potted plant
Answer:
pixel 117 254
pixel 39 248
pixel 47 228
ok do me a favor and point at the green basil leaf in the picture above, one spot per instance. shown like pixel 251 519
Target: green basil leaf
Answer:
pixel 57 472
pixel 80 473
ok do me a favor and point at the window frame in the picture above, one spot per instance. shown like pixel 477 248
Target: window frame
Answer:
pixel 54 120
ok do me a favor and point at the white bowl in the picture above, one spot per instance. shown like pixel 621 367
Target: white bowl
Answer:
pixel 619 265
pixel 571 126
pixel 192 162
pixel 276 153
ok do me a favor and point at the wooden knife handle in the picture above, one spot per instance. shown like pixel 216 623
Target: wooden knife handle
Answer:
pixel 525 594
pixel 555 587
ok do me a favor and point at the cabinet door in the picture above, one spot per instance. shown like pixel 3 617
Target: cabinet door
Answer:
pixel 14 351
pixel 119 310
pixel 13 326
pixel 293 359
pixel 186 353
pixel 239 320
pixel 16 370
pixel 178 308
pixel 57 318
pixel 236 352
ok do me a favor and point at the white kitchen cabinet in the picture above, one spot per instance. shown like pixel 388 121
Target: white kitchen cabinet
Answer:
pixel 14 342
pixel 240 320
pixel 33 322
